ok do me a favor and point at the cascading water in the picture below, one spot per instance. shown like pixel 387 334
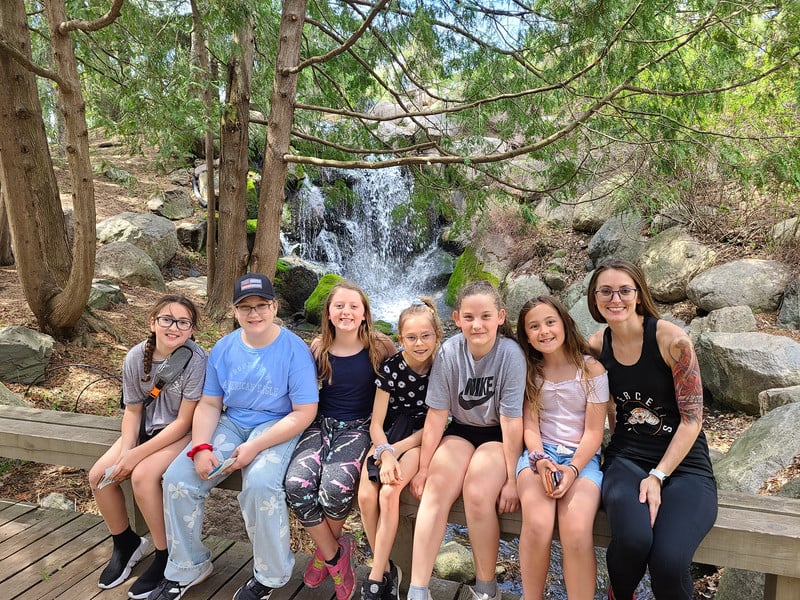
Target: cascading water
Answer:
pixel 369 241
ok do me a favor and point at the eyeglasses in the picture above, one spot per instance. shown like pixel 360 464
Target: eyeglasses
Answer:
pixel 261 309
pixel 624 293
pixel 424 338
pixel 167 322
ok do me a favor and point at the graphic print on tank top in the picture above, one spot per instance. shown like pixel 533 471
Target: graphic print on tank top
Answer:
pixel 642 416
pixel 477 391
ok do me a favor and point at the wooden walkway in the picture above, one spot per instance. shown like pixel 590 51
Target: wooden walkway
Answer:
pixel 48 554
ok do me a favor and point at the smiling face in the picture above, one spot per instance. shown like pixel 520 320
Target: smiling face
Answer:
pixel 176 317
pixel 479 319
pixel 256 315
pixel 346 310
pixel 419 339
pixel 544 328
pixel 616 309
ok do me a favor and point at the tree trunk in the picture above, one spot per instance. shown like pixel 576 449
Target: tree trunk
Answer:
pixel 279 129
pixel 6 252
pixel 232 246
pixel 26 175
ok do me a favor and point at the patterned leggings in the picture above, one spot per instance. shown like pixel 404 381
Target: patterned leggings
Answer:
pixel 323 475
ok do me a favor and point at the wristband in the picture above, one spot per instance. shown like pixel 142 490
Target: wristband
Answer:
pixel 535 457
pixel 381 449
pixel 660 475
pixel 198 448
pixel 574 468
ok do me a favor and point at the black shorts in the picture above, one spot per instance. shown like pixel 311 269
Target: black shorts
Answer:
pixel 475 435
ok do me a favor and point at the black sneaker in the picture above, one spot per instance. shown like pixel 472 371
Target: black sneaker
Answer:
pixel 253 590
pixel 147 582
pixel 120 565
pixel 173 590
pixel 391 582
pixel 373 590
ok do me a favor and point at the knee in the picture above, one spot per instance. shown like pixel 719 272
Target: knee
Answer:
pixel 143 480
pixel 367 496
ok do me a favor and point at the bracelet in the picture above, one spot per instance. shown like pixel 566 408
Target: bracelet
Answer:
pixel 381 449
pixel 198 448
pixel 574 468
pixel 535 457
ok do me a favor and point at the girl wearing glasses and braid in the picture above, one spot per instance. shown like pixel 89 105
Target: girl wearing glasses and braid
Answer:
pixel 144 459
pixel 658 486
pixel 398 415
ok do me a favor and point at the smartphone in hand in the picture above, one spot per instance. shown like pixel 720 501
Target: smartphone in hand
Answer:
pixel 221 467
pixel 552 480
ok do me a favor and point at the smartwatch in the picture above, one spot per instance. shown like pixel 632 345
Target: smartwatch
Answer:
pixel 660 475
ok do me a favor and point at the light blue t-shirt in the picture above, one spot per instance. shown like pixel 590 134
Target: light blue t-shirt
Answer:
pixel 261 384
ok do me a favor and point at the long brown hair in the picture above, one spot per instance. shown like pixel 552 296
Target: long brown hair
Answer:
pixel 366 333
pixel 150 342
pixel 646 305
pixel 575 349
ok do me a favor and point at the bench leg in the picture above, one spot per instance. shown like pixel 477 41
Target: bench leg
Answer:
pixel 777 587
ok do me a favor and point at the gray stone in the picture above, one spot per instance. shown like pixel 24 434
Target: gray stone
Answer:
pixel 152 233
pixel 518 289
pixel 172 204
pixel 9 398
pixel 192 235
pixel 619 237
pixel 731 319
pixel 295 283
pixel 24 354
pixel 775 397
pixel 737 366
pixel 763 450
pixel 789 315
pixel 738 584
pixel 787 231
pixel 583 319
pixel 123 261
pixel 598 205
pixel 669 262
pixel 57 501
pixel 790 489
pixel 117 175
pixel 190 286
pixel 454 563
pixel 756 283
pixel 105 293
pixel 555 213
pixel 573 294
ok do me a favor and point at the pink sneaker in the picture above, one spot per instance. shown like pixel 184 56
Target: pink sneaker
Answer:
pixel 611 595
pixel 344 578
pixel 316 570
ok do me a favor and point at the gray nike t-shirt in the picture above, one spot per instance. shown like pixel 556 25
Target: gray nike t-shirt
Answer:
pixel 478 392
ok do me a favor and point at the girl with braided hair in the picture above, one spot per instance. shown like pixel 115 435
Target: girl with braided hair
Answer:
pixel 143 453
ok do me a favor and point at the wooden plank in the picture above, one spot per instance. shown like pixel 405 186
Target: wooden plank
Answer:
pixel 781 588
pixel 36 529
pixel 12 510
pixel 21 414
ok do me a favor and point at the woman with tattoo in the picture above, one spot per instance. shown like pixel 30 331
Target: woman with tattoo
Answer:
pixel 659 490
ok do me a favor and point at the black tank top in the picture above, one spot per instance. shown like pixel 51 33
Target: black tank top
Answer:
pixel 647 412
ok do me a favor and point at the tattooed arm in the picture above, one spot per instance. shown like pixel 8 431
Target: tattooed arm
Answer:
pixel 678 352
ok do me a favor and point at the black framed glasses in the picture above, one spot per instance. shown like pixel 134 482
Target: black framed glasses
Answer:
pixel 167 322
pixel 262 308
pixel 624 293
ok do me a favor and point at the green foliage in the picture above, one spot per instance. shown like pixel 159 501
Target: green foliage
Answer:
pixel 252 195
pixel 316 301
pixel 468 269
pixel 383 326
pixel 339 197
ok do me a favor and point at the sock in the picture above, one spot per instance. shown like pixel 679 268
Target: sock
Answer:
pixel 417 592
pixel 486 587
pixel 335 558
pixel 127 541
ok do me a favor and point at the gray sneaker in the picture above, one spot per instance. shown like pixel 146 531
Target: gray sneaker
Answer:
pixel 253 590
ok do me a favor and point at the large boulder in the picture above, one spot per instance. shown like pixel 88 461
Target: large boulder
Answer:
pixel 775 397
pixel 731 319
pixel 24 354
pixel 756 283
pixel 598 205
pixel 152 233
pixel 789 315
pixel 518 290
pixel 316 301
pixel 123 261
pixel 583 318
pixel 669 262
pixel 736 367
pixel 295 281
pixel 760 452
pixel 619 237
pixel 172 204
pixel 9 398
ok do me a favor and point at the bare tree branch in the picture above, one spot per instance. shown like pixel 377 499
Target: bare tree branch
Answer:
pixel 104 21
pixel 31 66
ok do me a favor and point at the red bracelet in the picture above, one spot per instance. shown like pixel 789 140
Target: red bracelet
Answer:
pixel 197 449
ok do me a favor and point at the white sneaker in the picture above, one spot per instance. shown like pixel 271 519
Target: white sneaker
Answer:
pixel 477 596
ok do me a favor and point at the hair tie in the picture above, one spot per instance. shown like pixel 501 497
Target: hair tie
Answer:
pixel 417 302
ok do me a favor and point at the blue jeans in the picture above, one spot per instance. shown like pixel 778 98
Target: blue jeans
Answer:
pixel 262 501
pixel 591 471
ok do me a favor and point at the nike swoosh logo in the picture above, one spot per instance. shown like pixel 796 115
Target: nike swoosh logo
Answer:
pixel 469 404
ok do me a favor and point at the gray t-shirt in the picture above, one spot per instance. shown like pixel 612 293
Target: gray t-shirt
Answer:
pixel 478 392
pixel 162 412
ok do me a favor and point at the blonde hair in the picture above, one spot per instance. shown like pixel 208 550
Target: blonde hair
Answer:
pixel 421 306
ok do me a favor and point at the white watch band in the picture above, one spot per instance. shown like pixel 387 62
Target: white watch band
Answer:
pixel 660 475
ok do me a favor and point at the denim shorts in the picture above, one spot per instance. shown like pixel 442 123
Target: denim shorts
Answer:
pixel 591 471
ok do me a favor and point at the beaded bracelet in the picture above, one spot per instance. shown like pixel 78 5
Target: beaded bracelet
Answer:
pixel 381 449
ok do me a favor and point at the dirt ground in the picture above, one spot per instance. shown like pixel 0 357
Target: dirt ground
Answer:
pixel 86 378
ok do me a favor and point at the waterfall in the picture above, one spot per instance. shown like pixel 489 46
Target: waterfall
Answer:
pixel 370 241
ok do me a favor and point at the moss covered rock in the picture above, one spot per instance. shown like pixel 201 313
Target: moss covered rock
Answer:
pixel 316 301
pixel 468 269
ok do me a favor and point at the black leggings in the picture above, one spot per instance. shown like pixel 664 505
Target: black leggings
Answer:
pixel 687 513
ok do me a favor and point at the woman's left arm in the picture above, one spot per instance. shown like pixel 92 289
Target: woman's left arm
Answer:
pixel 677 350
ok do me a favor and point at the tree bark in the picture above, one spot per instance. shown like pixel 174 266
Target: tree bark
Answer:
pixel 281 116
pixel 232 245
pixel 6 251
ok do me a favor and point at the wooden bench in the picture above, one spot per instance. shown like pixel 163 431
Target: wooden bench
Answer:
pixel 757 533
